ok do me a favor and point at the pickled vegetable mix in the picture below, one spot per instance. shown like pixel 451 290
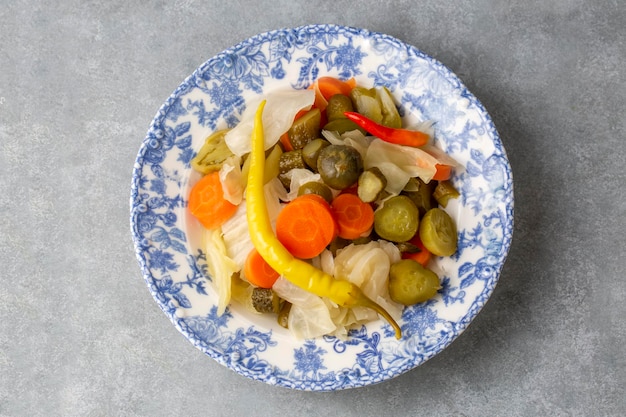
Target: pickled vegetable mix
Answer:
pixel 326 210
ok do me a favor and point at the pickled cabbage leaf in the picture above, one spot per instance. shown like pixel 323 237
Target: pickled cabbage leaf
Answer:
pixel 309 316
pixel 280 110
pixel 235 230
pixel 399 163
pixel 221 267
pixel 232 180
pixel 368 267
pixel 353 138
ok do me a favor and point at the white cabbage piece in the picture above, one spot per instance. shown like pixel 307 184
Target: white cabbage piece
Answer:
pixel 221 267
pixel 237 237
pixel 235 230
pixel 368 267
pixel 231 179
pixel 309 316
pixel 298 177
pixel 353 138
pixel 413 162
pixel 280 109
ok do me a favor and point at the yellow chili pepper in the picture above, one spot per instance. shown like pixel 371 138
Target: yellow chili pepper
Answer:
pixel 300 273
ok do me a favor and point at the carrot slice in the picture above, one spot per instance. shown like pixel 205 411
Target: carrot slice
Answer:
pixel 423 256
pixel 284 140
pixel 306 225
pixel 444 172
pixel 326 87
pixel 354 217
pixel 207 202
pixel 258 272
pixel 329 86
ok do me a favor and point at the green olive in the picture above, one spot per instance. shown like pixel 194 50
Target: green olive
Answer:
pixel 311 151
pixel 339 166
pixel 337 105
pixel 438 232
pixel 410 283
pixel 318 188
pixel 397 220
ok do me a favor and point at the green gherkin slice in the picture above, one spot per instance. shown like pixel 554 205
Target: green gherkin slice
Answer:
pixel 397 220
pixel 305 129
pixel 438 233
pixel 410 283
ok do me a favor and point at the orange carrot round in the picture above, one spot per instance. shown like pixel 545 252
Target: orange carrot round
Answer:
pixel 444 172
pixel 423 256
pixel 258 272
pixel 329 86
pixel 284 140
pixel 207 202
pixel 306 226
pixel 354 217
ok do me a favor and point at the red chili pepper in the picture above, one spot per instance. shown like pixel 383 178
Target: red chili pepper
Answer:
pixel 404 137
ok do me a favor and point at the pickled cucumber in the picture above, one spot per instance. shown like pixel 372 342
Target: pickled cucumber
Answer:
pixel 316 188
pixel 366 103
pixel 397 220
pixel 390 114
pixel 305 129
pixel 337 105
pixel 212 154
pixel 438 233
pixel 311 151
pixel 444 191
pixel 265 300
pixel 372 183
pixel 288 161
pixel 342 126
pixel 339 166
pixel 410 283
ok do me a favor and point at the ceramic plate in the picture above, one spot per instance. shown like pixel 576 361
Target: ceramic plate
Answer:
pixel 213 97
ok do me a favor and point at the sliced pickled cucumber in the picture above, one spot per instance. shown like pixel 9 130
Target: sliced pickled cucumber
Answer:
pixel 305 129
pixel 421 194
pixel 371 184
pixel 272 165
pixel 317 188
pixel 283 315
pixel 212 154
pixel 339 166
pixel 397 220
pixel 288 161
pixel 265 300
pixel 337 106
pixel 410 283
pixel 389 111
pixel 342 126
pixel 438 233
pixel 444 191
pixel 366 103
pixel 311 151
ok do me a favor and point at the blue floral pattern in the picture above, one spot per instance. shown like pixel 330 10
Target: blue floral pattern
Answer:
pixel 167 240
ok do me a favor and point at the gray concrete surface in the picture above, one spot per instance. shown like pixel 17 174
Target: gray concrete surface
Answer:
pixel 79 332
